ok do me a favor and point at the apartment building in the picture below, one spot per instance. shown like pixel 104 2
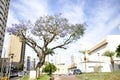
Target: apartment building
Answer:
pixel 4 8
pixel 16 48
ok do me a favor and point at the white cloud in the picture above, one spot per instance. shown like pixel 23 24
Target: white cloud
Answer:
pixel 74 12
pixel 11 19
pixel 29 10
pixel 103 22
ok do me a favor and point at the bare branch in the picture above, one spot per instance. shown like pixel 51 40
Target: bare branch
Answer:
pixel 65 43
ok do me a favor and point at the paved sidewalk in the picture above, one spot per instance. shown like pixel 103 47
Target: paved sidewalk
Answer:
pixel 0 74
pixel 56 78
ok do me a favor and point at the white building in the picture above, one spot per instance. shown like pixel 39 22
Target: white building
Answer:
pixel 96 59
pixel 62 68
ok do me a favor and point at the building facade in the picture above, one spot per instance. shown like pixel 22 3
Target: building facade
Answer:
pixel 61 69
pixel 17 48
pixel 4 8
pixel 96 58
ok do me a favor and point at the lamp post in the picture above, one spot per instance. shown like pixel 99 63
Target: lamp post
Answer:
pixel 51 77
pixel 51 68
pixel 11 63
pixel 99 62
pixel 12 55
pixel 98 57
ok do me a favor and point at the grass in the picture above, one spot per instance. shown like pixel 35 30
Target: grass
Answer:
pixel 26 77
pixel 42 77
pixel 100 76
pixel 87 76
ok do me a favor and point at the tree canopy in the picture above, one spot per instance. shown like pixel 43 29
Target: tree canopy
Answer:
pixel 108 53
pixel 49 67
pixel 46 30
pixel 118 51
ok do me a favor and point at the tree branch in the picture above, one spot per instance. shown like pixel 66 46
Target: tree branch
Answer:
pixel 52 38
pixel 30 42
pixel 65 43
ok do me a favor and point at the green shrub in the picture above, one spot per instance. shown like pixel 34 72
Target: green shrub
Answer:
pixel 49 68
pixel 97 69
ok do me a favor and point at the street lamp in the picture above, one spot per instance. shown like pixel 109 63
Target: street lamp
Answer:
pixel 11 63
pixel 98 57
pixel 51 77
pixel 51 67
pixel 99 62
pixel 12 55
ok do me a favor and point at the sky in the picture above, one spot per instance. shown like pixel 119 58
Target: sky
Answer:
pixel 101 16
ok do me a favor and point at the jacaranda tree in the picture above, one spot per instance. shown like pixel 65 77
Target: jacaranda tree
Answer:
pixel 46 30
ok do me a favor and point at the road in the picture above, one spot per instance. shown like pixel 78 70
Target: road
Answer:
pixel 66 77
pixel 15 78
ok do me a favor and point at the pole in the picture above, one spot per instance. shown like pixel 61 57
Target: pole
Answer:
pixel 50 69
pixel 99 62
pixel 51 77
pixel 11 63
pixel 9 68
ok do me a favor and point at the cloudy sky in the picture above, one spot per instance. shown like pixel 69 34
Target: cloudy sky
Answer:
pixel 101 16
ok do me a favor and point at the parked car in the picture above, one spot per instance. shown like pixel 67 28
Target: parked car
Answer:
pixel 70 73
pixel 21 73
pixel 77 71
pixel 13 73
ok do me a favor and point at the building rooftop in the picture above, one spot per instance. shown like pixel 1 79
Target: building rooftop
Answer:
pixel 103 42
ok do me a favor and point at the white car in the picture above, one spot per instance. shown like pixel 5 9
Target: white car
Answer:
pixel 20 74
pixel 70 73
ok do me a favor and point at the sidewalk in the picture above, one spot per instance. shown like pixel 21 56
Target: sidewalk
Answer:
pixel 65 77
pixel 56 78
pixel 0 74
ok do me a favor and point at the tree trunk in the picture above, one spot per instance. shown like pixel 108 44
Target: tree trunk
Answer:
pixel 39 65
pixel 37 72
pixel 112 62
pixel 85 64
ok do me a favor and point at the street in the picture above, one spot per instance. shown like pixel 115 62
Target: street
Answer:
pixel 65 77
pixel 14 78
